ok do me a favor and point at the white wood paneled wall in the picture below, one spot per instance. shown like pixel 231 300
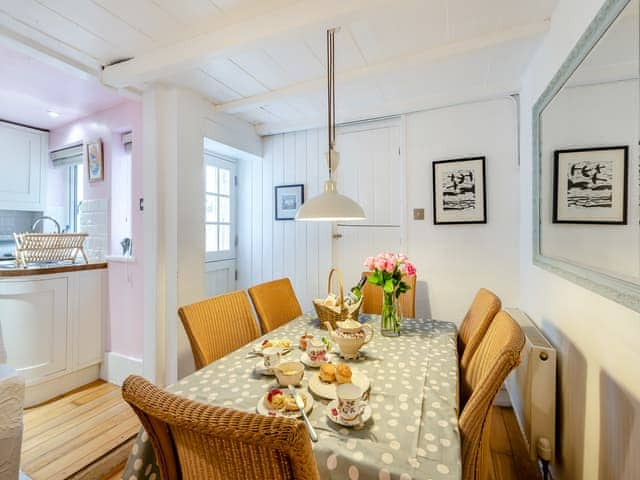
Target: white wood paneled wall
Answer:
pixel 270 249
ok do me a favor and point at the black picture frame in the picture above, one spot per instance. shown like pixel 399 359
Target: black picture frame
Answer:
pixel 283 210
pixel 557 158
pixel 439 214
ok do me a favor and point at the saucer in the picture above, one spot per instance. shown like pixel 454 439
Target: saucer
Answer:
pixel 359 356
pixel 332 409
pixel 304 358
pixel 262 370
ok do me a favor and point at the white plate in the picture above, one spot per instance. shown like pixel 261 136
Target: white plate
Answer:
pixel 328 390
pixel 364 418
pixel 304 358
pixel 262 409
pixel 257 347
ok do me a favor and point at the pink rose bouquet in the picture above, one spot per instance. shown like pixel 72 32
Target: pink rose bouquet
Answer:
pixel 388 270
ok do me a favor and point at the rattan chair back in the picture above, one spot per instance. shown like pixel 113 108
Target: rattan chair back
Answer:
pixel 195 441
pixel 484 307
pixel 218 326
pixel 275 303
pixel 497 354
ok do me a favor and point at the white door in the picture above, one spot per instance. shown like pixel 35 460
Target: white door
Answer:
pixel 220 227
pixel 370 172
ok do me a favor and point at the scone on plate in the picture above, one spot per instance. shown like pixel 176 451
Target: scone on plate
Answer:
pixel 275 399
pixel 328 372
pixel 343 373
pixel 290 402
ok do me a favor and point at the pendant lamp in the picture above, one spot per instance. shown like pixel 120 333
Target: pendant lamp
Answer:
pixel 330 206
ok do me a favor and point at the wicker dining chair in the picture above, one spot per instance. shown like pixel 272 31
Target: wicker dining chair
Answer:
pixel 218 326
pixel 194 441
pixel 484 307
pixel 372 298
pixel 496 356
pixel 275 303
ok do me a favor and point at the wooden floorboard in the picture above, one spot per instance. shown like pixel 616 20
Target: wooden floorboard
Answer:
pixel 508 450
pixel 115 474
pixel 86 433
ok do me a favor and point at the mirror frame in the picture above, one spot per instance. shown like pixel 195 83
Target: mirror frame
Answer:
pixel 616 289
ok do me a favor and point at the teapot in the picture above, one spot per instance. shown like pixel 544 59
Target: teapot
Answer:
pixel 350 336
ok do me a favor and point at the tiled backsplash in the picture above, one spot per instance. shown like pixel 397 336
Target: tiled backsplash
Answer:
pixel 93 220
pixel 16 221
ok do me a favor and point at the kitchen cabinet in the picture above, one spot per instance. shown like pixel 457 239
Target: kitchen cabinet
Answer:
pixel 53 328
pixel 23 161
pixel 34 325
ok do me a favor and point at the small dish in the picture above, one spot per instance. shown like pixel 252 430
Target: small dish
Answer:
pixel 283 343
pixel 289 373
pixel 334 415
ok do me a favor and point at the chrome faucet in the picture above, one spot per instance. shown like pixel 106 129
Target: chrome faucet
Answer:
pixel 40 219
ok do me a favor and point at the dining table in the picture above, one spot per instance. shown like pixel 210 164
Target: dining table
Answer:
pixel 413 430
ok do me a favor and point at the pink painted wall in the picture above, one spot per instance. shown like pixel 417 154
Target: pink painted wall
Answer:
pixel 125 279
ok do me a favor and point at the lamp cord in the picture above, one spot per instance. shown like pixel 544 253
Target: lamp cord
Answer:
pixel 331 98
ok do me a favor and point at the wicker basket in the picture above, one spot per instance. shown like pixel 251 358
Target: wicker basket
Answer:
pixel 340 312
pixel 48 247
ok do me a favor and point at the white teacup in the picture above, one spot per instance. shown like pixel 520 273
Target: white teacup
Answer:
pixel 350 402
pixel 317 351
pixel 271 356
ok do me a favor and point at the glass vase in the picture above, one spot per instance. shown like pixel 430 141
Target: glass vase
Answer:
pixel 391 315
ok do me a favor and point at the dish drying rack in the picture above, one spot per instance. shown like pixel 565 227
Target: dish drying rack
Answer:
pixel 49 247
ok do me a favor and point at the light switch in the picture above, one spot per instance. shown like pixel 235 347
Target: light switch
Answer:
pixel 418 213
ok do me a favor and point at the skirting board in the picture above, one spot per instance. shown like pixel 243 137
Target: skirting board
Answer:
pixel 46 390
pixel 117 367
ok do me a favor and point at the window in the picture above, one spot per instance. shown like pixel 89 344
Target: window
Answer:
pixel 76 194
pixel 219 208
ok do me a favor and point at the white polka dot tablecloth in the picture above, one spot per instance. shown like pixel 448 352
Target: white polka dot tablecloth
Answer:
pixel 413 430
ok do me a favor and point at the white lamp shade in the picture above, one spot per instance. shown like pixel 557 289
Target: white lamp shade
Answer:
pixel 330 206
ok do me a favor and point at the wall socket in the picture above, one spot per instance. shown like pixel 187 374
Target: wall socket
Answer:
pixel 418 213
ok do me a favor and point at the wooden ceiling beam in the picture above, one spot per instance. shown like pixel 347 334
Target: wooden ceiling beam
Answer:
pixel 393 65
pixel 223 41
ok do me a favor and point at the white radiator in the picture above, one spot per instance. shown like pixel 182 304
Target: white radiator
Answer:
pixel 532 389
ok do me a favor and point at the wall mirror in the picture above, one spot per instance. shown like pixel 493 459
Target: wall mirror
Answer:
pixel 586 130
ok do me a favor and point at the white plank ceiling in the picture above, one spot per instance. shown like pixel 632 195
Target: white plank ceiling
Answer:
pixel 391 56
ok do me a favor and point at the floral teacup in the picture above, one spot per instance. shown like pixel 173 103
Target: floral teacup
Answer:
pixel 350 402
pixel 317 351
pixel 271 356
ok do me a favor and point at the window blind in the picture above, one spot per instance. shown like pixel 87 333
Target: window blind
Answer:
pixel 71 155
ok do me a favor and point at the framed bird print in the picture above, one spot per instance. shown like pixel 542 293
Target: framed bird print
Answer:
pixel 459 193
pixel 590 185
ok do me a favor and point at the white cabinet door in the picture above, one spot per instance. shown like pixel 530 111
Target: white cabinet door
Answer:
pixel 34 326
pixel 23 160
pixel 90 291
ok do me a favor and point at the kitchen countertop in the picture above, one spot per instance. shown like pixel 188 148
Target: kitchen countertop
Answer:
pixel 9 271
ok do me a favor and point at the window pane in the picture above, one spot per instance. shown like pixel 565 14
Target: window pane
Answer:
pixel 80 182
pixel 212 238
pixel 212 208
pixel 225 181
pixel 212 179
pixel 225 237
pixel 225 209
